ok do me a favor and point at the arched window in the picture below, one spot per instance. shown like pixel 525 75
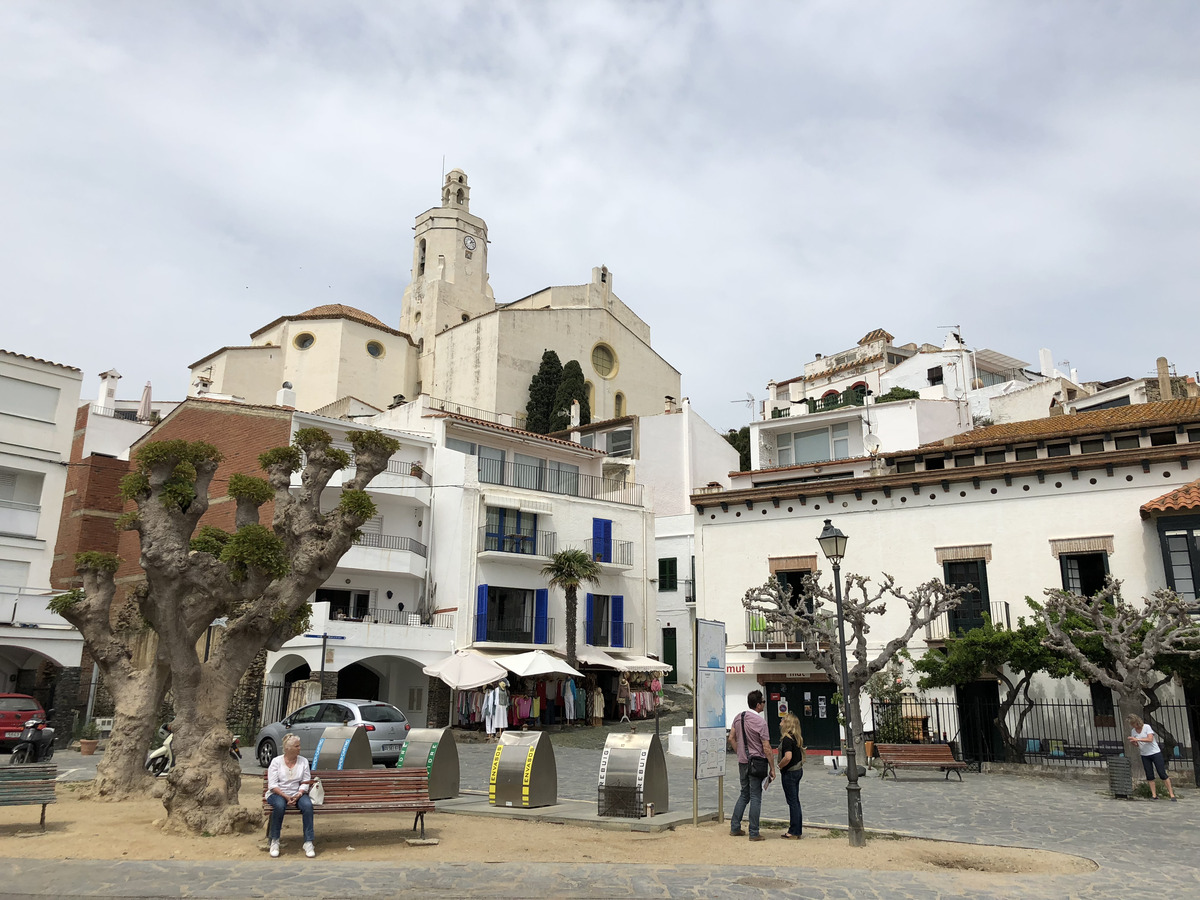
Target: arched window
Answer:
pixel 460 196
pixel 421 257
pixel 618 405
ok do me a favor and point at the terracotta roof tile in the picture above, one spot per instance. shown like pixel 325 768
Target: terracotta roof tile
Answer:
pixel 333 311
pixel 1121 418
pixel 47 362
pixel 508 429
pixel 1178 500
pixel 877 334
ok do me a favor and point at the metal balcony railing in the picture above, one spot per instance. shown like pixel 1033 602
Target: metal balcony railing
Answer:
pixel 618 553
pixel 601 634
pixel 513 630
pixel 539 543
pixel 392 542
pixel 956 620
pixel 558 481
pixel 391 616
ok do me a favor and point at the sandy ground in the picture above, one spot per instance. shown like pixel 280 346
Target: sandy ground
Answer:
pixel 79 828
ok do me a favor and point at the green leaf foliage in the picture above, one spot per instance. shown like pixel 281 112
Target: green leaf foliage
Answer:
pixel 543 388
pixel 287 457
pixel 179 490
pixel 572 387
pixel 373 442
pixel 357 504
pixel 254 547
pixel 95 561
pixel 898 393
pixel 986 650
pixel 570 568
pixel 248 487
pixel 134 486
pixel 740 441
pixel 63 602
pixel 125 521
pixel 211 540
pixel 309 439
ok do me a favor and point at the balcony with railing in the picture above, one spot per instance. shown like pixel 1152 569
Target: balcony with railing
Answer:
pixel 764 636
pixel 385 628
pixel 19 519
pixel 967 617
pixel 611 553
pixel 559 481
pixel 811 405
pixel 618 635
pixel 539 544
pixel 391 553
pixel 513 629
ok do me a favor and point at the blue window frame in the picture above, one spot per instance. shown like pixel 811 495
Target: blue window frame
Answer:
pixel 602 540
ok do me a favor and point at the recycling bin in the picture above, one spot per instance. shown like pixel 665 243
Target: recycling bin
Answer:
pixel 342 747
pixel 1120 776
pixel 523 774
pixel 437 751
pixel 633 777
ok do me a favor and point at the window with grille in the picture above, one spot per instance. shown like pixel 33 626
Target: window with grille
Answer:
pixel 668 575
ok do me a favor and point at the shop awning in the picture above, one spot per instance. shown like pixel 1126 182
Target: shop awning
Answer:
pixel 594 656
pixel 641 664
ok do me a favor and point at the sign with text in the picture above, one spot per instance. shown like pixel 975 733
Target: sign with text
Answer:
pixel 710 699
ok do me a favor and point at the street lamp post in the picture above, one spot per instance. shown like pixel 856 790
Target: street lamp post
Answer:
pixel 833 545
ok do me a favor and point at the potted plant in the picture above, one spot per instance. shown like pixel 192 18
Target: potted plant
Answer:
pixel 416 468
pixel 89 738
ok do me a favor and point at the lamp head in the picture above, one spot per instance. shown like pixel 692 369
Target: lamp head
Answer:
pixel 833 543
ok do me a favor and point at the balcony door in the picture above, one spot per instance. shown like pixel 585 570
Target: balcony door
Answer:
pixel 964 573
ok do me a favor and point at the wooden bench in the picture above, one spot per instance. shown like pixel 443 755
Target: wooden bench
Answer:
pixel 28 786
pixel 370 791
pixel 918 756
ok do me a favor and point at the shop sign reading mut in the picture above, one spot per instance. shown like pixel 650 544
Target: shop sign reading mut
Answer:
pixel 736 670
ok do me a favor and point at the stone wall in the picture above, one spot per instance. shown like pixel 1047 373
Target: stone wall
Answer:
pixel 437 711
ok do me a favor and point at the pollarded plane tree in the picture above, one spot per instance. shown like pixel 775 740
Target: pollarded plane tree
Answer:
pixel 1118 643
pixel 257 579
pixel 812 618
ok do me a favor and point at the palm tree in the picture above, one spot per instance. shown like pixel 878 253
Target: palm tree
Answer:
pixel 568 569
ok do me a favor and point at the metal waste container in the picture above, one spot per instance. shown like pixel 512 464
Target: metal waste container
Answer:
pixel 523 771
pixel 436 750
pixel 633 777
pixel 1120 776
pixel 342 747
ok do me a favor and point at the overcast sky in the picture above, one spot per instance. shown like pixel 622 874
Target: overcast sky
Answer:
pixel 766 182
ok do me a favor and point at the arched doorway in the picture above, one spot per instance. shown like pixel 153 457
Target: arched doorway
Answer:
pixel 358 682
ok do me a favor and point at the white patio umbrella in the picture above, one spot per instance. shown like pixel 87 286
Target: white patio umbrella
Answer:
pixel 465 669
pixel 144 409
pixel 537 662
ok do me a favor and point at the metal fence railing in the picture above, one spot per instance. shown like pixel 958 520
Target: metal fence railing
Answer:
pixel 538 543
pixel 617 552
pixel 391 542
pixel 617 635
pixel 559 481
pixel 513 629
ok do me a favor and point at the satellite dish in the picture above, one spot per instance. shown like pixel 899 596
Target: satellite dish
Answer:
pixel 872 443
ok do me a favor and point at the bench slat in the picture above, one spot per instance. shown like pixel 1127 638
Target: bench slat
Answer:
pixel 371 790
pixel 918 756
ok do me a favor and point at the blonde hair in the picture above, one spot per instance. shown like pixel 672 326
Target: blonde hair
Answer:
pixel 1134 722
pixel 289 738
pixel 790 727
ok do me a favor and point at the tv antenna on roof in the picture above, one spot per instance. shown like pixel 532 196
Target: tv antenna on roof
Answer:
pixel 749 401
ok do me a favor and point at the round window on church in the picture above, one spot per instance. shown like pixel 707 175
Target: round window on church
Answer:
pixel 604 361
pixel 376 349
pixel 304 340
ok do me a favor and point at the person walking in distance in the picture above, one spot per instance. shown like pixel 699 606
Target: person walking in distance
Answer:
pixel 755 763
pixel 791 770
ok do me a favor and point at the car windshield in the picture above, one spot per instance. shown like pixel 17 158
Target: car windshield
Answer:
pixel 18 704
pixel 381 713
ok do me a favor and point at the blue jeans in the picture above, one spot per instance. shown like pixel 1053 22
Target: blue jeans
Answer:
pixel 752 795
pixel 279 806
pixel 791 792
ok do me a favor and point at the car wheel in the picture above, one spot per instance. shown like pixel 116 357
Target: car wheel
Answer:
pixel 20 757
pixel 266 752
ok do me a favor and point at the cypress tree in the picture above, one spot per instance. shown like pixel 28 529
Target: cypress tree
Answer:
pixel 572 387
pixel 543 388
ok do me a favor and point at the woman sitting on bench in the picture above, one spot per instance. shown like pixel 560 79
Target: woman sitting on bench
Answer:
pixel 288 781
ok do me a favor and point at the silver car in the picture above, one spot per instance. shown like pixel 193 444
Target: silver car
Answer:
pixel 386 728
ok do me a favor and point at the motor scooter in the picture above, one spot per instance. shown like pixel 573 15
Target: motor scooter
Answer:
pixel 161 760
pixel 36 744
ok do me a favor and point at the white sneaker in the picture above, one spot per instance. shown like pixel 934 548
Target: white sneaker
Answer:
pixel 274 849
pixel 309 850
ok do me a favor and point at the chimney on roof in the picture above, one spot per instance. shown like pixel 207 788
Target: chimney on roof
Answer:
pixel 397 400
pixel 285 396
pixel 1164 379
pixel 669 404
pixel 108 389
pixel 1046 362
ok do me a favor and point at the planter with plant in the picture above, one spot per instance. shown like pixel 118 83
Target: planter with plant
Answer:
pixel 89 737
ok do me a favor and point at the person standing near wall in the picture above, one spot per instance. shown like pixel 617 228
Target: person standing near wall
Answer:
pixel 755 763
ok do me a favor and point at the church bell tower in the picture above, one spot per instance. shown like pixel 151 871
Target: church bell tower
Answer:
pixel 449 283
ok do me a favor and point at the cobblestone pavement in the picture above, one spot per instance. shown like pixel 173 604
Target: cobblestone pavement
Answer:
pixel 1143 849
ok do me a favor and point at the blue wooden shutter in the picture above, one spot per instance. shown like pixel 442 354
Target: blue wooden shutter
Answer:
pixel 602 539
pixel 481 595
pixel 541 604
pixel 589 634
pixel 618 620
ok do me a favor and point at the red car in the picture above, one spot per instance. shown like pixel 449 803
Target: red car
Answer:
pixel 15 711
